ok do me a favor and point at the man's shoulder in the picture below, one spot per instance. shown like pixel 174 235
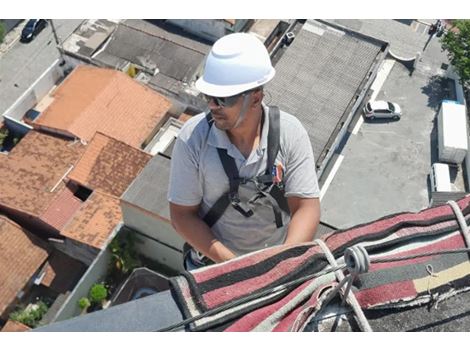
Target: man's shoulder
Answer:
pixel 196 128
pixel 290 124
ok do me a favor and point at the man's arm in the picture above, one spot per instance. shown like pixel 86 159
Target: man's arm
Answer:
pixel 187 223
pixel 305 217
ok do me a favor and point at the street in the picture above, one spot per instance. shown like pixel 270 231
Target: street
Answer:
pixel 24 63
pixel 384 165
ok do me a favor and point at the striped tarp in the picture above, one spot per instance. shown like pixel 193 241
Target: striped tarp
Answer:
pixel 231 287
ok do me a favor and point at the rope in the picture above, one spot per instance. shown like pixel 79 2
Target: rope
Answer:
pixel 427 254
pixel 357 257
pixel 357 262
pixel 461 220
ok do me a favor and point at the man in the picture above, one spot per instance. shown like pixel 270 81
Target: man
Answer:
pixel 225 200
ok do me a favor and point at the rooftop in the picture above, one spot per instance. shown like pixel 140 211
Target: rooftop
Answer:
pixel 148 194
pixel 21 256
pixel 318 76
pixel 166 56
pixel 109 165
pixel 31 174
pixel 14 326
pixel 95 99
pixel 95 220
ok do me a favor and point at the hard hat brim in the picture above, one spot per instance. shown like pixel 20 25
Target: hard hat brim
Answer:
pixel 217 90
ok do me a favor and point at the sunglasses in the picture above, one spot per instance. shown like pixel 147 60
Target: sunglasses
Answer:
pixel 226 102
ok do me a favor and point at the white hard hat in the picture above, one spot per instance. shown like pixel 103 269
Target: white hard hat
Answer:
pixel 236 63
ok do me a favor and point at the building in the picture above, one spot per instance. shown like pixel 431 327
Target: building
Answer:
pixel 322 78
pixel 145 210
pixel 158 54
pixel 211 29
pixel 93 99
pixel 22 256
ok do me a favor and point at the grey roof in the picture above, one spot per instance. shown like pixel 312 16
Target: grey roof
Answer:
pixel 149 190
pixel 318 76
pixel 176 58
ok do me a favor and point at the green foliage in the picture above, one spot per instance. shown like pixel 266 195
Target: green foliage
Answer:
pixel 84 303
pixel 3 134
pixel 98 293
pixel 124 257
pixel 30 315
pixel 2 32
pixel 457 45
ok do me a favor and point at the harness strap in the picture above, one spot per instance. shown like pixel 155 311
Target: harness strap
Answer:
pixel 273 192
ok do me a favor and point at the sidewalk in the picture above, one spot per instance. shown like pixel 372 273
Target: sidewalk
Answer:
pixel 11 38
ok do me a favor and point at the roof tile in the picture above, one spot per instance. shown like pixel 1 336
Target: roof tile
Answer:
pixel 95 220
pixel 32 170
pixel 93 99
pixel 109 165
pixel 21 255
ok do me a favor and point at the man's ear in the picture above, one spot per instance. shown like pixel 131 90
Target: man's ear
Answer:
pixel 257 97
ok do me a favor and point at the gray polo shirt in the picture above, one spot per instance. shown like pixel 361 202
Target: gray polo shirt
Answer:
pixel 197 177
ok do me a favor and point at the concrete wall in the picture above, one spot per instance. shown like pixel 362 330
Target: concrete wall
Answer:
pixel 460 97
pixel 36 92
pixel 207 29
pixel 77 250
pixel 161 242
pixel 96 272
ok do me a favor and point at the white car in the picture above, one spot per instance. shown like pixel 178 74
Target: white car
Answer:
pixel 380 109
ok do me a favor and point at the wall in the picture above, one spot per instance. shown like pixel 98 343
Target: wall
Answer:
pixel 36 92
pixel 80 251
pixel 161 242
pixel 207 29
pixel 96 272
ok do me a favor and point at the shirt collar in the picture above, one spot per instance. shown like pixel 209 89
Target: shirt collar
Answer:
pixel 219 139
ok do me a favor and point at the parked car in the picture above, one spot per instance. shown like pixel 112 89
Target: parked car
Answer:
pixel 382 110
pixel 32 29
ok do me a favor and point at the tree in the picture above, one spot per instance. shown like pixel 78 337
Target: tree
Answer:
pixel 457 43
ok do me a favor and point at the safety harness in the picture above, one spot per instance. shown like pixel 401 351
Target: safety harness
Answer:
pixel 269 184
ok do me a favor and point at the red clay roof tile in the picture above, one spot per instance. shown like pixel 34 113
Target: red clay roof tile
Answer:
pixel 21 256
pixel 33 168
pixel 95 220
pixel 109 165
pixel 93 99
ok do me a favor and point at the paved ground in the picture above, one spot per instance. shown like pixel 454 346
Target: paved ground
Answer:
pixel 386 164
pixel 24 63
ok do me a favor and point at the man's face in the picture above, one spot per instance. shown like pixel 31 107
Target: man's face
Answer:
pixel 225 111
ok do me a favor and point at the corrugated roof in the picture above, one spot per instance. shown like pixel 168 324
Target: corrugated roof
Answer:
pixel 109 165
pixel 33 168
pixel 95 99
pixel 149 189
pixel 152 47
pixel 21 256
pixel 95 220
pixel 317 77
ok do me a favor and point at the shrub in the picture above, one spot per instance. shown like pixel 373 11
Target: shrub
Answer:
pixel 31 315
pixel 84 303
pixel 98 293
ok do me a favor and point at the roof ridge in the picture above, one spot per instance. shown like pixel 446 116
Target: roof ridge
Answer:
pixel 119 141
